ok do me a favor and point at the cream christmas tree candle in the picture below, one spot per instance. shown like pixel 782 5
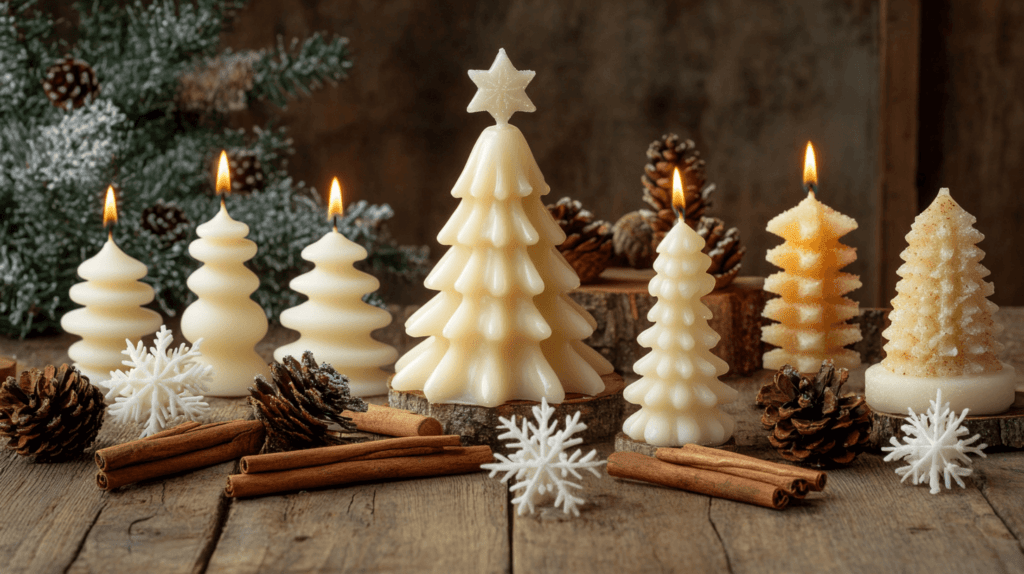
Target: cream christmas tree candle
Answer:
pixel 941 334
pixel 678 390
pixel 502 326
pixel 812 310
pixel 335 324
pixel 228 321
pixel 112 295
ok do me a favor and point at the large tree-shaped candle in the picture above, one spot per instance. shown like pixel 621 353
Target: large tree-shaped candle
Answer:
pixel 502 326
pixel 228 321
pixel 942 336
pixel 336 323
pixel 811 309
pixel 679 391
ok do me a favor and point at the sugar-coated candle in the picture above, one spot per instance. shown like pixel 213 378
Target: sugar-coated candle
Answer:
pixel 941 334
pixel 229 322
pixel 678 390
pixel 335 323
pixel 112 296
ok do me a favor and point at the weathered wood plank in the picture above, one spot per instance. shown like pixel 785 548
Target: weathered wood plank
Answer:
pixel 1001 479
pixel 625 526
pixel 865 520
pixel 57 520
pixel 445 524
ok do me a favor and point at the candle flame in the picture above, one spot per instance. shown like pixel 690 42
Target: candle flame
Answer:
pixel 110 207
pixel 334 208
pixel 810 169
pixel 678 197
pixel 223 174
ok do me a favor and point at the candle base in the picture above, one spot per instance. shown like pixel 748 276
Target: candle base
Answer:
pixel 602 414
pixel 985 394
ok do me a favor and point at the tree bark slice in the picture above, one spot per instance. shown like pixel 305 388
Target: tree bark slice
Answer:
pixel 1005 430
pixel 481 425
pixel 8 368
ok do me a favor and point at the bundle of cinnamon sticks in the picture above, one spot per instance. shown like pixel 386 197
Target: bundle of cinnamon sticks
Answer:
pixel 407 457
pixel 719 473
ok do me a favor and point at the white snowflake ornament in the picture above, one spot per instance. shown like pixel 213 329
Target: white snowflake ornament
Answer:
pixel 163 388
pixel 541 465
pixel 933 445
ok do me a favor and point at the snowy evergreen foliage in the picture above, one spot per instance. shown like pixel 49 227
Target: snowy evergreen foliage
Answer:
pixel 55 163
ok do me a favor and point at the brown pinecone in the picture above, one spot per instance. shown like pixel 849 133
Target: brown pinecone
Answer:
pixel 665 156
pixel 810 422
pixel 633 238
pixel 295 409
pixel 166 221
pixel 70 83
pixel 53 414
pixel 724 247
pixel 588 242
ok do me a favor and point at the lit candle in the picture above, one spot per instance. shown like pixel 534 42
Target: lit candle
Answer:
pixel 112 295
pixel 502 327
pixel 678 390
pixel 941 334
pixel 335 324
pixel 228 321
pixel 811 309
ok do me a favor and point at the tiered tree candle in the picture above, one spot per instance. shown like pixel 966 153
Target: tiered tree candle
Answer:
pixel 335 324
pixel 502 327
pixel 942 336
pixel 228 321
pixel 112 295
pixel 811 309
pixel 679 391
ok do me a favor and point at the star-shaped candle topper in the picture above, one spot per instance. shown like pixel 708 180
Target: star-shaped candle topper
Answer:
pixel 502 90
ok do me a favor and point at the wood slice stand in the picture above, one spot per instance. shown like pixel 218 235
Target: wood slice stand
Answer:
pixel 8 368
pixel 625 444
pixel 480 425
pixel 1003 431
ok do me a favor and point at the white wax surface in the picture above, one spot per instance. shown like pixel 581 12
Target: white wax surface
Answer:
pixel 228 321
pixel 679 392
pixel 983 394
pixel 112 296
pixel 335 324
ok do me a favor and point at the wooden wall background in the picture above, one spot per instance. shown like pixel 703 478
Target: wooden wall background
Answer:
pixel 749 81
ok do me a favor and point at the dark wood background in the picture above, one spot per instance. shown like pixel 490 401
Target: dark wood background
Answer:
pixel 900 97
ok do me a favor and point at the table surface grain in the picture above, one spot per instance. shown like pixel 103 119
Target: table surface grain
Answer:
pixel 54 519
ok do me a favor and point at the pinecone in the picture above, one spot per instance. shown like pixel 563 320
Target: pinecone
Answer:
pixel 246 171
pixel 53 414
pixel 633 238
pixel 810 422
pixel 296 408
pixel 70 83
pixel 665 156
pixel 724 248
pixel 166 221
pixel 218 85
pixel 588 242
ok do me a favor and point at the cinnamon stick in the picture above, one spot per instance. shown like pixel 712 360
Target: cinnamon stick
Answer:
pixel 454 460
pixel 394 422
pixel 720 460
pixel 189 450
pixel 330 454
pixel 640 467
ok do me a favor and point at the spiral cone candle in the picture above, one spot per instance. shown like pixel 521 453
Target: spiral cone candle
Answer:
pixel 335 324
pixel 112 295
pixel 679 391
pixel 811 309
pixel 228 321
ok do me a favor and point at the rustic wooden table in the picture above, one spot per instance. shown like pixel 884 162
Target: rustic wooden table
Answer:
pixel 54 519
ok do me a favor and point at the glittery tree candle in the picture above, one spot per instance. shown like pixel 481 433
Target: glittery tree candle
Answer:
pixel 679 391
pixel 335 323
pixel 942 336
pixel 112 295
pixel 502 326
pixel 811 309
pixel 228 321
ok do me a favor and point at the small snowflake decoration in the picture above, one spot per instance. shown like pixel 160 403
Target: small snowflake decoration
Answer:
pixel 163 388
pixel 541 465
pixel 933 445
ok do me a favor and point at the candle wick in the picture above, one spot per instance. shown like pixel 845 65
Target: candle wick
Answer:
pixel 811 188
pixel 222 206
pixel 110 233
